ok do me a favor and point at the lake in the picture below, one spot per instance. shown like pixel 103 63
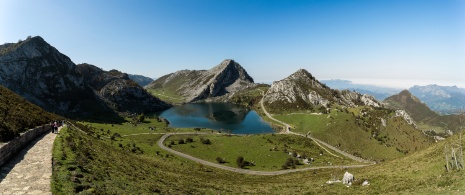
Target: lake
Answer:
pixel 217 116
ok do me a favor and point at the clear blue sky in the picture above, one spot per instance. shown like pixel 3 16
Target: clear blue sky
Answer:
pixel 387 42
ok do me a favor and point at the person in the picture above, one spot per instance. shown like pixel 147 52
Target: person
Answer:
pixel 56 127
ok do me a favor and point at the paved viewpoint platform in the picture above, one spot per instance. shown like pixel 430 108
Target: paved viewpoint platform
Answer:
pixel 30 171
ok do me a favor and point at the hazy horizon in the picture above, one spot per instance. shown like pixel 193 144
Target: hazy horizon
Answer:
pixel 387 42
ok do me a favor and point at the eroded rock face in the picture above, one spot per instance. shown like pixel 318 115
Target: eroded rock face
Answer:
pixel 194 85
pixel 406 117
pixel 301 90
pixel 44 76
pixel 118 91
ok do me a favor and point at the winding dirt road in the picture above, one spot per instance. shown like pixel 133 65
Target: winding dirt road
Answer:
pixel 317 141
pixel 237 170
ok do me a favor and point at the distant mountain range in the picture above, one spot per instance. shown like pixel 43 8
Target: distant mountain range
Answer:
pixel 421 113
pixel 441 99
pixel 141 80
pixel 380 93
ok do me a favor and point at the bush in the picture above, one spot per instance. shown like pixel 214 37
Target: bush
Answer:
pixel 181 141
pixel 220 160
pixel 205 141
pixel 189 140
pixel 240 162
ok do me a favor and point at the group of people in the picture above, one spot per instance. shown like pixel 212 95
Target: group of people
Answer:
pixel 55 126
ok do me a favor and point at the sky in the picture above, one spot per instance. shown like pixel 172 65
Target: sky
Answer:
pixel 396 43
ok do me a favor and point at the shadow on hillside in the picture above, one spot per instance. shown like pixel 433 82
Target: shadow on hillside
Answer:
pixel 6 168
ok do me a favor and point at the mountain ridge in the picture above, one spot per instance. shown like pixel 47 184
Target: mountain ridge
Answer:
pixel 40 73
pixel 301 90
pixel 198 85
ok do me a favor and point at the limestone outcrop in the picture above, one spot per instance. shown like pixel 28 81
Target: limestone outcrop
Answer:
pixel 195 85
pixel 302 91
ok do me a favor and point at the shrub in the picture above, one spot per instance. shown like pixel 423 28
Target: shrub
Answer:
pixel 220 160
pixel 189 140
pixel 240 162
pixel 181 141
pixel 205 141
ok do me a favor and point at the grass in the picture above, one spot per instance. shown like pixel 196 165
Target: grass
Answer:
pixel 86 164
pixel 127 127
pixel 268 152
pixel 360 134
pixel 17 115
pixel 167 95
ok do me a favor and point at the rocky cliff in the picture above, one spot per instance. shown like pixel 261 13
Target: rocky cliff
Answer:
pixel 194 85
pixel 302 91
pixel 118 91
pixel 46 77
pixel 40 73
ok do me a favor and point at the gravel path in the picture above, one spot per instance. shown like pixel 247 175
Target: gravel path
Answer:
pixel 30 171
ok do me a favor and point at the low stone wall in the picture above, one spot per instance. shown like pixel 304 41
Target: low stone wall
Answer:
pixel 9 149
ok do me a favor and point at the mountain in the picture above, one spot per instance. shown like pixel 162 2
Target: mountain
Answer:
pixel 418 110
pixel 421 113
pixel 18 115
pixel 380 93
pixel 41 74
pixel 195 85
pixel 44 76
pixel 141 80
pixel 302 91
pixel 118 91
pixel 442 99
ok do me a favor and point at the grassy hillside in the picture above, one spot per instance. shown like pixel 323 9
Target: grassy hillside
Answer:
pixel 406 101
pixel 18 115
pixel 86 164
pixel 423 115
pixel 360 131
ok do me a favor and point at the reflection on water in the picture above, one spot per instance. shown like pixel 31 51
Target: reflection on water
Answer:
pixel 218 116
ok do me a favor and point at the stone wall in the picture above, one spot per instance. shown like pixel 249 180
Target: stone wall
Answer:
pixel 9 149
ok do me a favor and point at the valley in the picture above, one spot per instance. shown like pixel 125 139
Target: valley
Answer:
pixel 217 131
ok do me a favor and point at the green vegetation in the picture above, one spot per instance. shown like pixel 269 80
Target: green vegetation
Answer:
pixel 167 95
pixel 426 118
pixel 250 96
pixel 18 115
pixel 361 131
pixel 266 152
pixel 86 164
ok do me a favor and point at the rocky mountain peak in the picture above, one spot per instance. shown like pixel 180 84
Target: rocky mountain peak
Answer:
pixel 231 68
pixel 301 90
pixel 302 73
pixel 196 85
pixel 41 74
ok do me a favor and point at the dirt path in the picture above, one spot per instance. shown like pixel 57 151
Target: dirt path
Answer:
pixel 317 141
pixel 30 171
pixel 237 170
